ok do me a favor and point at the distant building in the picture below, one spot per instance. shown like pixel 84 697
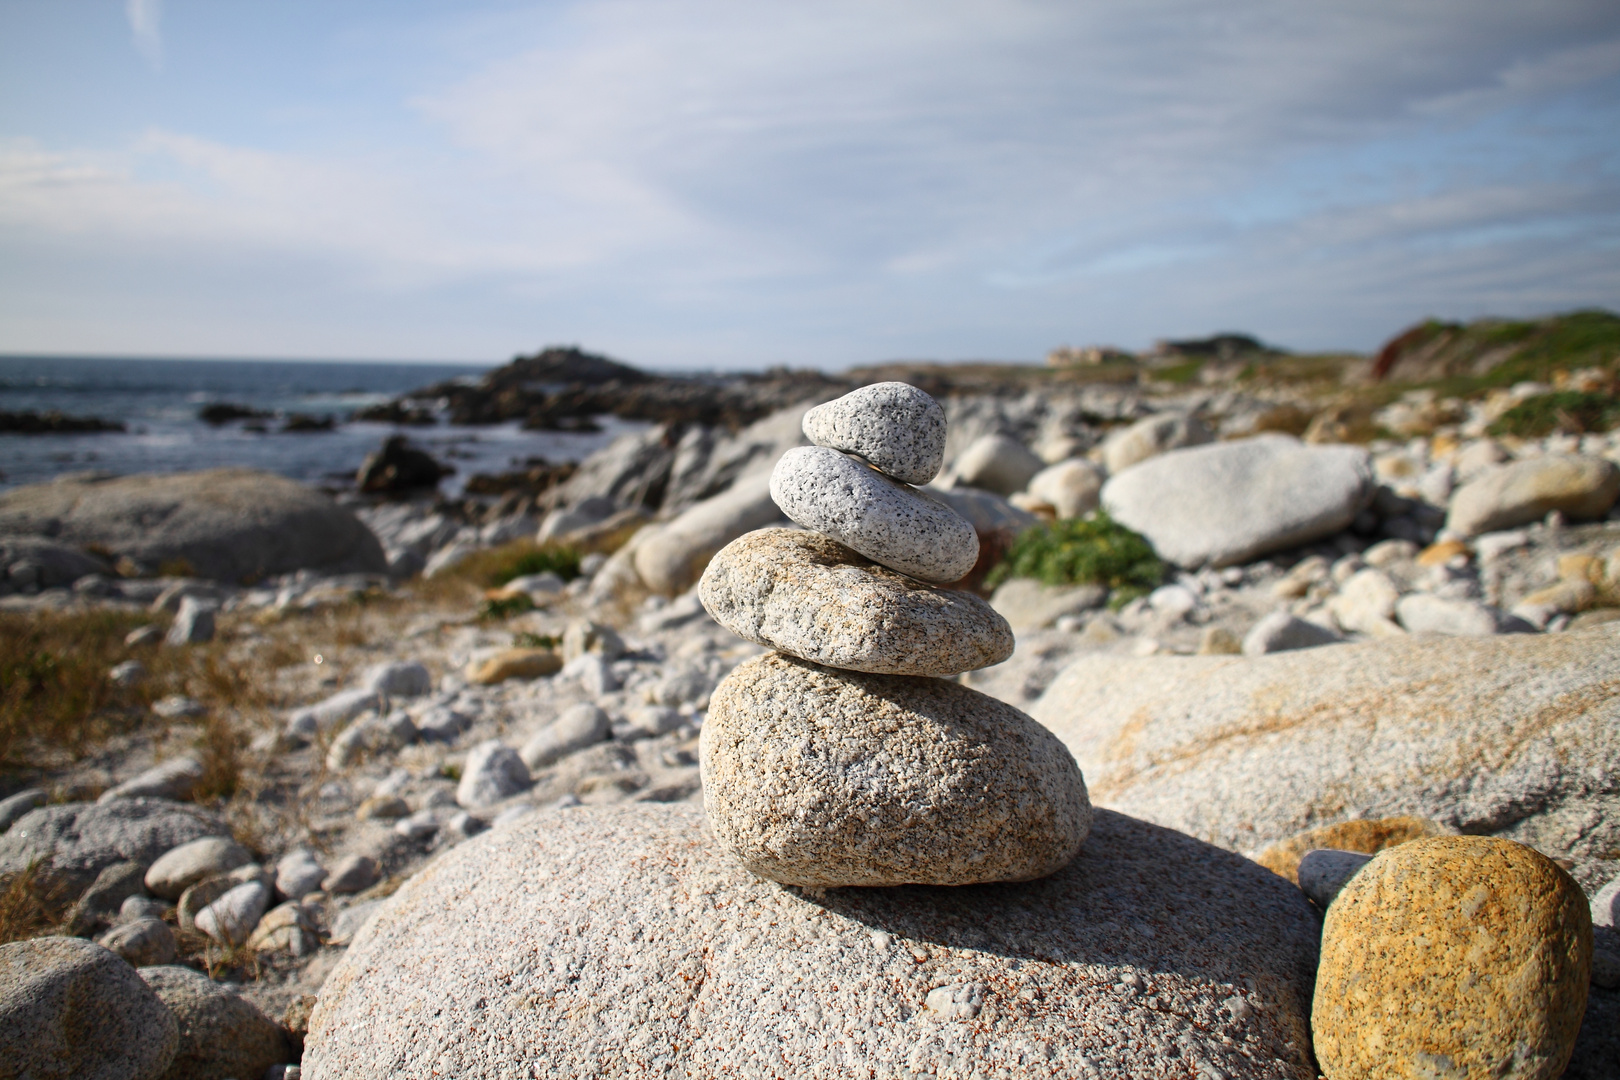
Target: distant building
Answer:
pixel 1067 356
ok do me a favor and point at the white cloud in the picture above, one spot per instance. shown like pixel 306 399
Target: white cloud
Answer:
pixel 145 19
pixel 839 181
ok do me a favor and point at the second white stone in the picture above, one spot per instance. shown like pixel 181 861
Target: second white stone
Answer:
pixel 890 523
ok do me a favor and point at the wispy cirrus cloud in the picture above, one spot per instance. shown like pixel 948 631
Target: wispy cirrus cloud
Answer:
pixel 145 24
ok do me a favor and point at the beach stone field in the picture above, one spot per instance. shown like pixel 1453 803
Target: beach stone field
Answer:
pixel 781 773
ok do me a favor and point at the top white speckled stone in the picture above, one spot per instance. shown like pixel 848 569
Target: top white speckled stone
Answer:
pixel 891 524
pixel 896 427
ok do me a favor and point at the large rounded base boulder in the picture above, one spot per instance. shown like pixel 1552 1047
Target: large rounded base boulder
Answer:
pixel 620 942
pixel 820 777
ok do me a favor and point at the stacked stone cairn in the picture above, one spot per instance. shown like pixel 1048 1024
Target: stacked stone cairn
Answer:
pixel 846 756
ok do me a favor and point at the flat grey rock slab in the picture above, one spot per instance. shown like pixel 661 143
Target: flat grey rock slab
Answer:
pixel 810 596
pixel 621 941
pixel 893 425
pixel 77 841
pixel 1502 735
pixel 819 777
pixel 72 1010
pixel 228 524
pixel 890 523
pixel 1231 502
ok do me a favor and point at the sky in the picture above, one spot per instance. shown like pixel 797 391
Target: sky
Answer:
pixel 718 184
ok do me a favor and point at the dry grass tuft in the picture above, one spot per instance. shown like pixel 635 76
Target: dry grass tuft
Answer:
pixel 31 904
pixel 54 689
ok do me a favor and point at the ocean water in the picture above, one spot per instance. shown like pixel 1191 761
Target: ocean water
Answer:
pixel 158 400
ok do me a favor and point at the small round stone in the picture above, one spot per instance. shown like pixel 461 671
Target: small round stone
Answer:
pixel 890 523
pixel 1453 956
pixel 896 427
pixel 810 596
pixel 819 777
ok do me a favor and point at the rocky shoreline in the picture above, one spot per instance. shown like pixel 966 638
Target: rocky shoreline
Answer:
pixel 488 809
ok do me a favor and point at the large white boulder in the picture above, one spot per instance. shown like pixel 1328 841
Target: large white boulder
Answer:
pixel 1231 502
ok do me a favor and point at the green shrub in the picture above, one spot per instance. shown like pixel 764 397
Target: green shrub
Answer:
pixel 495 567
pixel 1084 551
pixel 1572 411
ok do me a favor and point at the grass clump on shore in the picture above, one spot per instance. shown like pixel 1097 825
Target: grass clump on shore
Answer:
pixel 1096 550
pixel 54 689
pixel 495 567
pixel 1573 412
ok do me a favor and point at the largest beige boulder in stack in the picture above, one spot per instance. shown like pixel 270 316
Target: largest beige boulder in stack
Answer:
pixel 1501 735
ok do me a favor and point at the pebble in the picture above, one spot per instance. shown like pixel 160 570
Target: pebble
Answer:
pixel 142 907
pixel 812 597
pixel 1325 871
pixel 1366 835
pixel 1485 943
pixel 1028 604
pixel 288 928
pixel 1366 604
pixel 193 623
pixel 441 723
pixel 184 866
pixel 1071 488
pixel 575 728
pixel 352 921
pixel 893 525
pixel 1423 613
pixel 1282 632
pixel 143 635
pixel 13 807
pixel 582 637
pixel 230 919
pixel 896 427
pixel 351 874
pixel 1606 904
pixel 594 674
pixel 648 722
pixel 382 808
pixel 405 678
pixel 819 777
pixel 492 773
pixel 112 887
pixel 995 463
pixel 370 737
pixel 142 941
pixel 418 826
pixel 72 1009
pixel 1528 490
pixel 326 716
pixel 1152 436
pixel 514 664
pixel 178 707
pixel 176 778
pixel 298 873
